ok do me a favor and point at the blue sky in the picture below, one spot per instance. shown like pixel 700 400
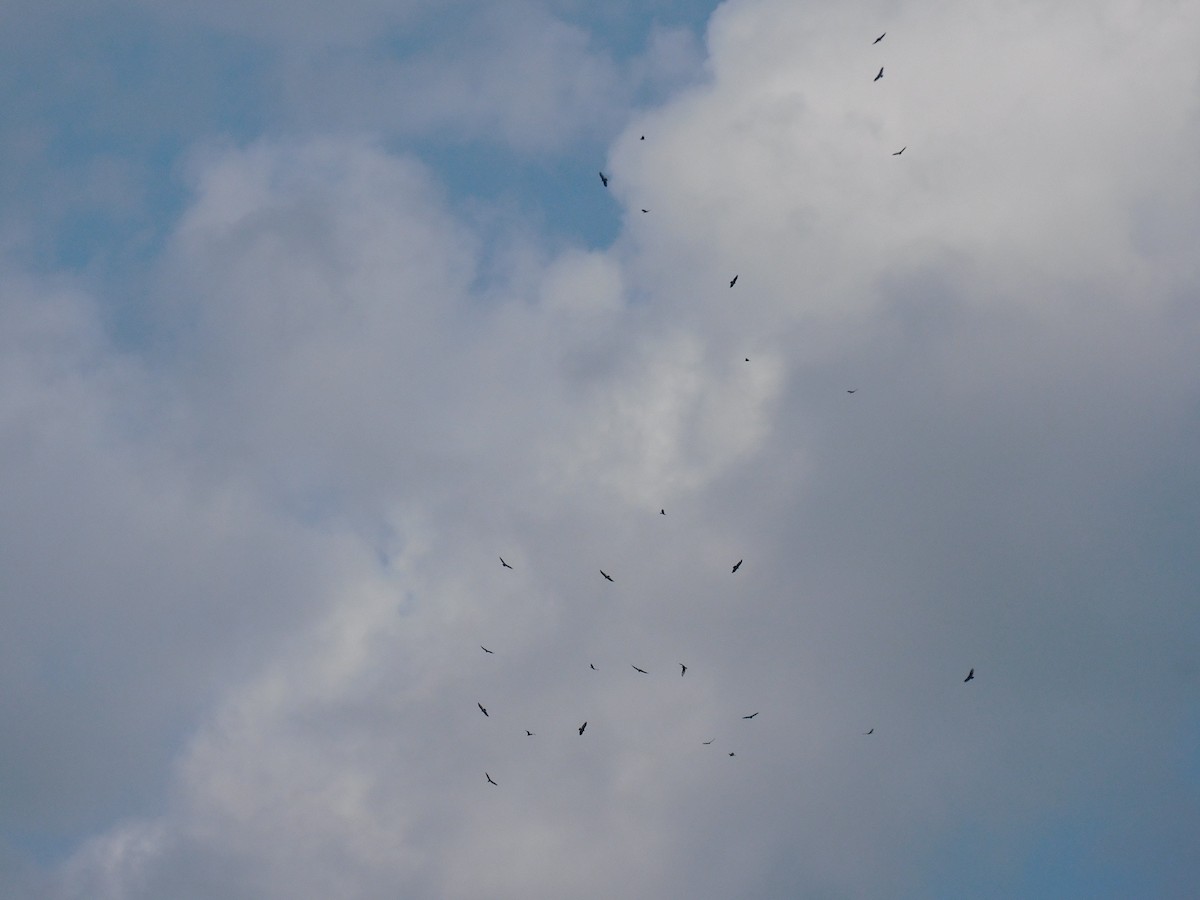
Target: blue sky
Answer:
pixel 308 315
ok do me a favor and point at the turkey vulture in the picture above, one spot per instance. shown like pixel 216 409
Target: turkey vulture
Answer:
pixel 682 670
pixel 643 671
pixel 732 283
pixel 606 575
pixel 528 733
pixel 970 675
pixel 605 180
pixel 851 392
pixel 878 39
pixel 503 563
pixel 901 150
pixel 581 727
pixel 480 705
pixel 872 731
pixel 591 666
pixel 877 77
pixel 751 716
pixel 489 778
pixel 485 649
pixel 737 565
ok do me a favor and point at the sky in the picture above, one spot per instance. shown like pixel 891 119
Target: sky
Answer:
pixel 310 314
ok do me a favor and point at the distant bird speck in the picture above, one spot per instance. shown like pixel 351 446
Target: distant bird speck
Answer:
pixel 643 671
pixel 484 711
pixel 901 150
pixel 734 281
pixel 682 670
pixel 851 392
pixel 970 675
pixel 872 731
pixel 645 210
pixel 877 77
pixel 643 137
pixel 878 39
pixel 662 512
pixel 528 733
pixel 606 575
pixel 489 778
pixel 581 727
pixel 706 743
pixel 485 649
pixel 737 565
pixel 604 180
pixel 503 563
pixel 590 666
pixel 731 753
pixel 751 716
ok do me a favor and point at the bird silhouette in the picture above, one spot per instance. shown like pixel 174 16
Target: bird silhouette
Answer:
pixel 503 563
pixel 970 675
pixel 485 712
pixel 901 150
pixel 737 565
pixel 604 180
pixel 878 39
pixel 877 77
pixel 682 670
pixel 644 210
pixel 731 753
pixel 747 359
pixel 851 392
pixel 734 281
pixel 528 733
pixel 485 649
pixel 590 666
pixel 662 512
pixel 606 575
pixel 643 137
pixel 643 671
pixel 489 778
pixel 872 731
pixel 706 743
pixel 581 727
pixel 751 716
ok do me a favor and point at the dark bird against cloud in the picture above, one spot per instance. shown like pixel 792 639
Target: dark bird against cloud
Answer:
pixel 484 711
pixel 737 565
pixel 489 778
pixel 603 180
pixel 878 39
pixel 901 150
pixel 503 563
pixel 643 671
pixel 485 649
pixel 880 75
pixel 872 731
pixel 606 575
pixel 734 281
pixel 581 727
pixel 528 733
pixel 706 743
pixel 970 675
pixel 751 716
pixel 682 670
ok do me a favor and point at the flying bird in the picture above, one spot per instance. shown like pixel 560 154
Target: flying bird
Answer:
pixel 751 716
pixel 732 283
pixel 878 39
pixel 485 649
pixel 643 671
pixel 706 743
pixel 747 359
pixel 877 77
pixel 872 731
pixel 645 210
pixel 643 137
pixel 480 705
pixel 682 670
pixel 581 727
pixel 851 392
pixel 591 666
pixel 662 512
pixel 737 565
pixel 731 753
pixel 970 675
pixel 528 733
pixel 503 563
pixel 606 575
pixel 489 778
pixel 901 150
pixel 604 180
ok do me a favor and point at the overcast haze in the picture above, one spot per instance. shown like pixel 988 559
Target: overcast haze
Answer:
pixel 308 314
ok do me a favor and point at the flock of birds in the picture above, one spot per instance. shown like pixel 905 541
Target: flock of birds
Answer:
pixel 682 667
